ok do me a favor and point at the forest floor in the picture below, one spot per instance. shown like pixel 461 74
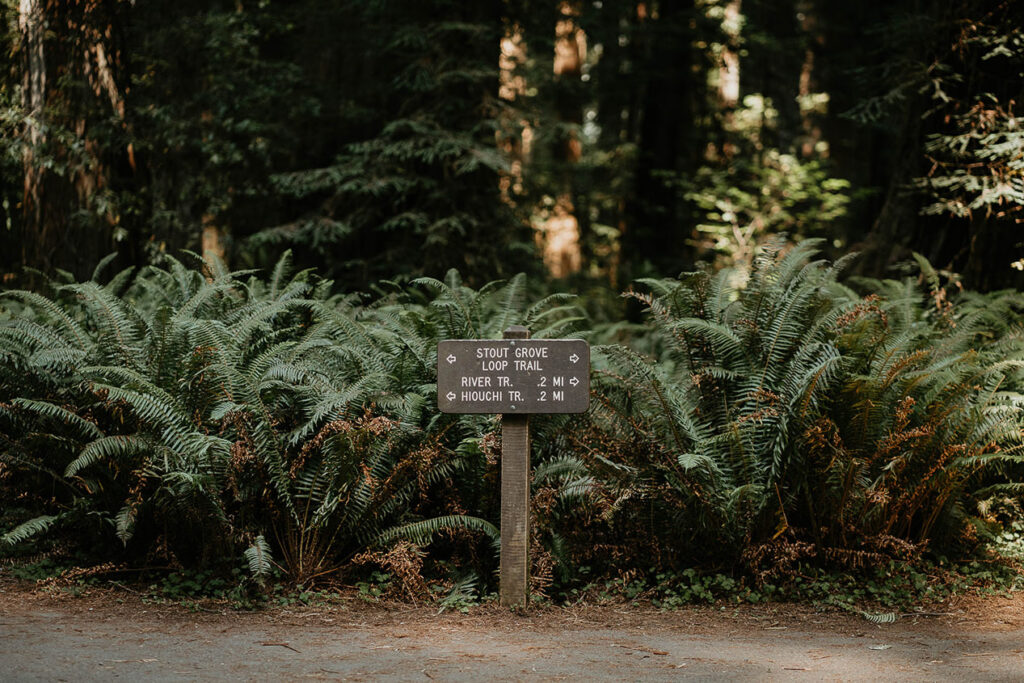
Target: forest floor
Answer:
pixel 105 634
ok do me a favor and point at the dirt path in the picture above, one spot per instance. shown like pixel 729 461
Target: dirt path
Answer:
pixel 110 635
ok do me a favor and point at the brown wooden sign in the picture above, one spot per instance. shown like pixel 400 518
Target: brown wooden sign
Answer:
pixel 513 376
pixel 516 376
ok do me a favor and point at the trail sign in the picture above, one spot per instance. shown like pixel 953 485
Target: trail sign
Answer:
pixel 516 376
pixel 513 376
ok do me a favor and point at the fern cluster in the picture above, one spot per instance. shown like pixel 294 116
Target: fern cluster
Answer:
pixel 766 416
pixel 787 418
pixel 200 412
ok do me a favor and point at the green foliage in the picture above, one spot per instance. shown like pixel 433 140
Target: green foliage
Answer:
pixel 259 558
pixel 791 420
pixel 413 184
pixel 982 168
pixel 421 533
pixel 379 584
pixel 1009 542
pixel 462 596
pixel 770 419
pixel 978 168
pixel 209 110
pixel 741 375
pixel 196 390
pixel 29 529
pixel 381 137
pixel 941 102
pixel 768 412
pixel 882 594
pixel 196 413
pixel 741 202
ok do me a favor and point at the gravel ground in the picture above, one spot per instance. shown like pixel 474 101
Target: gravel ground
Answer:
pixel 110 634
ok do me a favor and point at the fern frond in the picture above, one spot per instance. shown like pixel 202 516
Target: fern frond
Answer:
pixel 32 527
pixel 103 263
pixel 57 313
pixel 421 533
pixel 54 412
pixel 124 523
pixel 259 558
pixel 107 448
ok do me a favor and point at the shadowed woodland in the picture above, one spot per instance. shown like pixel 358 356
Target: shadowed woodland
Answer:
pixel 234 232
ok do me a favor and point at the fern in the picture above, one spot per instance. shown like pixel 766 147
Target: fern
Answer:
pixel 463 591
pixel 421 533
pixel 787 405
pixel 27 530
pixel 124 523
pixel 60 414
pixel 259 558
pixel 780 407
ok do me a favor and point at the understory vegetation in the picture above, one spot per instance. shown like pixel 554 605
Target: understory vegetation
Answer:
pixel 764 424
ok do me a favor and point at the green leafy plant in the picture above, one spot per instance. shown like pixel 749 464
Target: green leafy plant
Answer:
pixel 792 420
pixel 208 415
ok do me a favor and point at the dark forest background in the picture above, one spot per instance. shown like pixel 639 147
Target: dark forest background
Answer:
pixel 601 140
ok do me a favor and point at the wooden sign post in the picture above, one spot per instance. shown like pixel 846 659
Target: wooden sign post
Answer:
pixel 515 376
pixel 514 582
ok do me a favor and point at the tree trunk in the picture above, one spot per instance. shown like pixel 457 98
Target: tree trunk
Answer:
pixel 514 133
pixel 213 242
pixel 892 234
pixel 33 100
pixel 65 162
pixel 729 66
pixel 808 84
pixel 669 143
pixel 561 231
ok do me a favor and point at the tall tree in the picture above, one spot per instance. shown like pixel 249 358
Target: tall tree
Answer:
pixel 68 67
pixel 561 228
pixel 413 184
pixel 31 26
pixel 211 110
pixel 946 137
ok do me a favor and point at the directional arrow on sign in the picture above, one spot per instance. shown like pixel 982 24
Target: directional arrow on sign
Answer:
pixel 450 395
pixel 574 358
pixel 451 358
pixel 574 381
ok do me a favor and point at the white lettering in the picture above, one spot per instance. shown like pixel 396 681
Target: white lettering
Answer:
pixel 480 396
